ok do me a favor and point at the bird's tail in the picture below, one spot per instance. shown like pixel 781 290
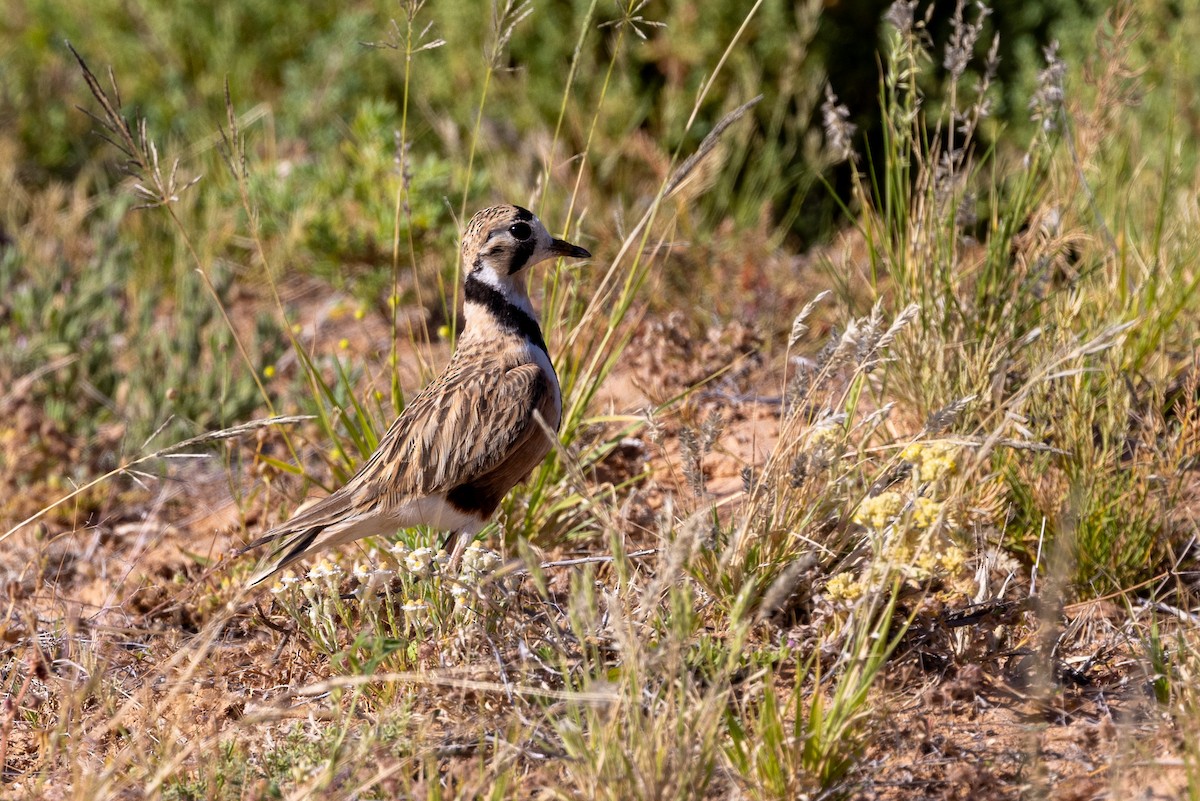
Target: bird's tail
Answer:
pixel 293 548
pixel 304 536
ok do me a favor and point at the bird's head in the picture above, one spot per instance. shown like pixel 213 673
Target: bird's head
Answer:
pixel 501 241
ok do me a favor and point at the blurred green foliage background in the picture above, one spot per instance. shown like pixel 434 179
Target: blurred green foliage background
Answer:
pixel 321 113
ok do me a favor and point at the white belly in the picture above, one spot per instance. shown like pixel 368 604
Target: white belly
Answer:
pixel 436 512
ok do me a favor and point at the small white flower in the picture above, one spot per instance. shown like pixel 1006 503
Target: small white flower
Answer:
pixel 415 610
pixel 324 570
pixel 420 562
pixel 479 561
pixel 380 577
pixel 488 561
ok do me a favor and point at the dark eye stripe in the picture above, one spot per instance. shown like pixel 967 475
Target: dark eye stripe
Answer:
pixel 521 255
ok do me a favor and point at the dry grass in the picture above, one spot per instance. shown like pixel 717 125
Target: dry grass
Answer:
pixel 930 531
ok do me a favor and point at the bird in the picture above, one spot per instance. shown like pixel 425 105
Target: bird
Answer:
pixel 471 434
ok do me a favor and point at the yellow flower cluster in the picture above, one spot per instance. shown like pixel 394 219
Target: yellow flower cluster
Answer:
pixel 909 543
pixel 844 587
pixel 930 557
pixel 931 461
pixel 925 512
pixel 826 434
pixel 879 511
pixel 910 529
pixel 945 562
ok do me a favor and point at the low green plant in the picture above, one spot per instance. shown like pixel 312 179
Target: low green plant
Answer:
pixel 100 354
pixel 809 743
pixel 1026 321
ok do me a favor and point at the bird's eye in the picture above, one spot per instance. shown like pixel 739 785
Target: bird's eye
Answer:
pixel 521 231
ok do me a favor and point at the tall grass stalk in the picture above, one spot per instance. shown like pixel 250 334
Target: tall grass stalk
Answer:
pixel 505 20
pixel 595 344
pixel 159 190
pixel 411 47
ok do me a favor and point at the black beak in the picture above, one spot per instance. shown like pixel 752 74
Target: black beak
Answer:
pixel 560 247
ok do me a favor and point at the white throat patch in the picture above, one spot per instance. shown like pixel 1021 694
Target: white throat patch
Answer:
pixel 507 286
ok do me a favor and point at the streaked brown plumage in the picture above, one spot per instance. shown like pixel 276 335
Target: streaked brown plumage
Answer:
pixel 469 436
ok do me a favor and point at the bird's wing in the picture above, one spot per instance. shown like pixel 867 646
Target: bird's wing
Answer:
pixel 488 485
pixel 463 427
